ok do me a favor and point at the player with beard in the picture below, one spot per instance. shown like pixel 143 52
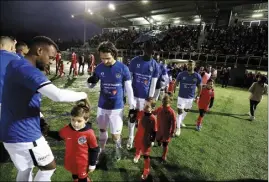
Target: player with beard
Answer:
pixel 114 77
pixel 20 123
pixel 145 72
pixel 188 80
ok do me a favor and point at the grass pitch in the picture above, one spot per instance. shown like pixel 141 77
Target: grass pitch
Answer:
pixel 229 147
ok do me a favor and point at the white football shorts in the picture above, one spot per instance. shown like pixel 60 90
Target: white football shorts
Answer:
pixel 140 103
pixel 29 154
pixel 110 118
pixel 183 103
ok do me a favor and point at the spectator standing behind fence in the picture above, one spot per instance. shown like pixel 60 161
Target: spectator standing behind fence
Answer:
pixel 226 77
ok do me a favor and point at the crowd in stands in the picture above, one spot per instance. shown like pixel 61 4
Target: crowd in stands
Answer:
pixel 234 40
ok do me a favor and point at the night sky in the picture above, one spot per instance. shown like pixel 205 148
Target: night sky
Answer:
pixel 51 18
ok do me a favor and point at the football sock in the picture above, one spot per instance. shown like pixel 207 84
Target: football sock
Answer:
pixel 183 115
pixel 199 121
pixel 131 127
pixel 146 165
pixel 25 175
pixel 118 143
pixel 44 175
pixel 179 120
pixel 103 136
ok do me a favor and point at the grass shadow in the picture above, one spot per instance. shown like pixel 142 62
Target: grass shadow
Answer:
pixel 69 82
pixel 4 156
pixel 233 115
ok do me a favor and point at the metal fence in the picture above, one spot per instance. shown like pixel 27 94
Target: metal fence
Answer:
pixel 258 62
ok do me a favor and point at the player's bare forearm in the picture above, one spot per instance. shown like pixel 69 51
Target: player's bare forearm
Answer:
pixel 199 89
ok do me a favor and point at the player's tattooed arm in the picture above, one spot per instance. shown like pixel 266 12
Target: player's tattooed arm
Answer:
pixel 93 80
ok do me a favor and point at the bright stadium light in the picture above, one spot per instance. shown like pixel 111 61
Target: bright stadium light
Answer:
pixel 197 19
pixel 111 6
pixel 89 10
pixel 159 23
pixel 257 15
pixel 177 21
pixel 72 16
pixel 151 20
pixel 91 13
pixel 145 2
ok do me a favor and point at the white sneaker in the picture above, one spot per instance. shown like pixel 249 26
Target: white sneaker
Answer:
pixel 178 131
pixel 152 144
pixel 252 118
pixel 136 159
pixel 183 125
pixel 129 144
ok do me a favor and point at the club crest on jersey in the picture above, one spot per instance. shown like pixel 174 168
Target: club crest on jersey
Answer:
pixel 151 68
pixel 138 65
pixel 118 75
pixel 184 78
pixel 102 73
pixel 82 140
pixel 114 92
pixel 146 82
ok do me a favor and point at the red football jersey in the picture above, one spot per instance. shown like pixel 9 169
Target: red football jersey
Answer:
pixel 146 126
pixel 205 97
pixel 171 86
pixel 166 123
pixel 74 58
pixel 58 57
pixel 77 145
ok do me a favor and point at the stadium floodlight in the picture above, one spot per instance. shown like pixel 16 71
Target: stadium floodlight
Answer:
pixel 111 6
pixel 91 13
pixel 145 2
pixel 197 19
pixel 159 23
pixel 72 16
pixel 257 15
pixel 151 20
pixel 177 21
pixel 89 10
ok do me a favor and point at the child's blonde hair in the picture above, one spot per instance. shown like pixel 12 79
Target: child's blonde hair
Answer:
pixel 82 109
pixel 167 99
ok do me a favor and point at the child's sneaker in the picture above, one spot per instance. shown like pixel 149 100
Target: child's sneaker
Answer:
pixel 136 158
pixel 144 176
pixel 198 127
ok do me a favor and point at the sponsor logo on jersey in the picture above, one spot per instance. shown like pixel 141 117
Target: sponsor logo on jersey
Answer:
pixel 118 75
pixel 114 92
pixel 82 140
pixel 195 79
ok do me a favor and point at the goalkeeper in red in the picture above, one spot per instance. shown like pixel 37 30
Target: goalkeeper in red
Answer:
pixel 205 102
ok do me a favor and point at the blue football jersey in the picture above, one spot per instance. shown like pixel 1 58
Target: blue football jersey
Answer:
pixel 5 58
pixel 20 112
pixel 142 73
pixel 187 84
pixel 112 85
pixel 162 73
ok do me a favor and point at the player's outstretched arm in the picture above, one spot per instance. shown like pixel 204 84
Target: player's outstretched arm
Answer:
pixel 130 93
pixel 61 95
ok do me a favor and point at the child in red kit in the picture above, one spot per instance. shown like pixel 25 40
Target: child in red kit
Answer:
pixel 145 134
pixel 81 148
pixel 171 85
pixel 166 122
pixel 73 65
pixel 205 102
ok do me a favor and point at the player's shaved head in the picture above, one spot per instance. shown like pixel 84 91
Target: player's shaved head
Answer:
pixel 42 51
pixel 40 41
pixel 22 48
pixel 6 43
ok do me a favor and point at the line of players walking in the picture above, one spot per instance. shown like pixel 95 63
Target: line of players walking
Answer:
pixel 22 84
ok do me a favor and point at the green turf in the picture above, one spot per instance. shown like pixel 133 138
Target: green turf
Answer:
pixel 229 146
